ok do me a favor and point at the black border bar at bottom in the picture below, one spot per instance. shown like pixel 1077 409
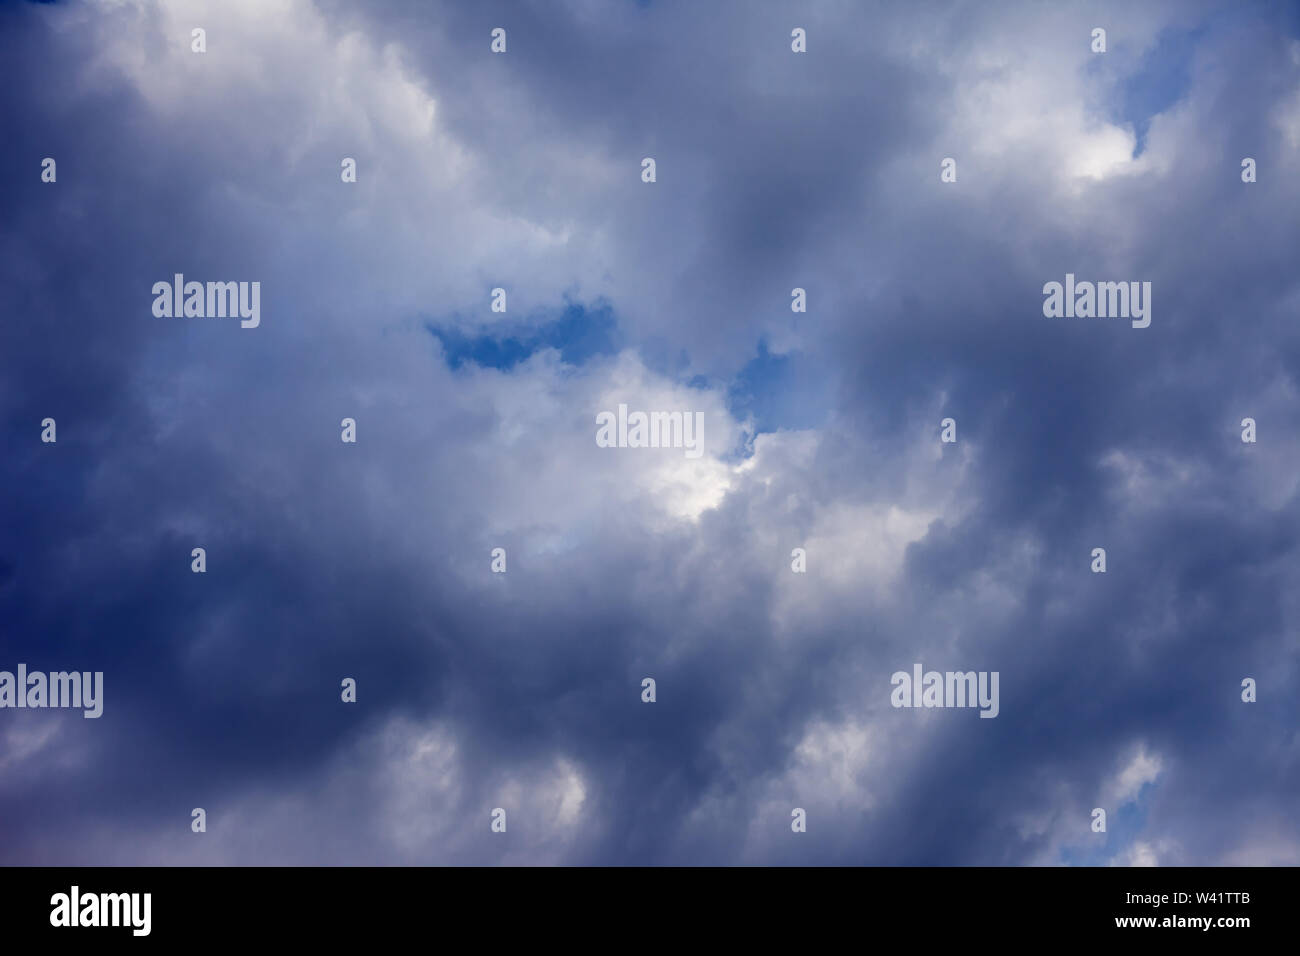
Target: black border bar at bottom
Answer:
pixel 337 905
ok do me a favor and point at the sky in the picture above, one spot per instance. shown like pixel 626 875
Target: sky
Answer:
pixel 522 690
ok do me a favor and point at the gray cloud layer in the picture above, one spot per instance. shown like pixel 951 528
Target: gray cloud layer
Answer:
pixel 521 690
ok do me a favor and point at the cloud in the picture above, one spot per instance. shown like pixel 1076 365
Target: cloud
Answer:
pixel 476 431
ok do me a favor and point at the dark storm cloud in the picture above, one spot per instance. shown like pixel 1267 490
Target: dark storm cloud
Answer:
pixel 478 690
